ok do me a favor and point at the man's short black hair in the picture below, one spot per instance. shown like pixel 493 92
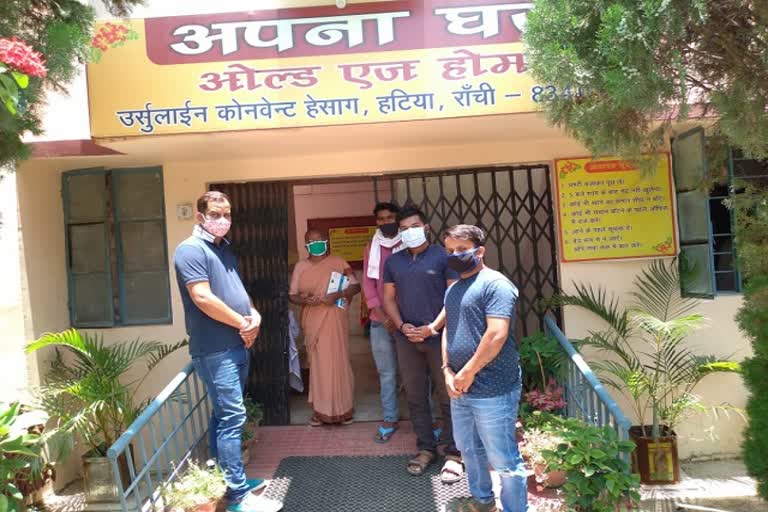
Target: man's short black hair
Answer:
pixel 390 207
pixel 410 211
pixel 466 232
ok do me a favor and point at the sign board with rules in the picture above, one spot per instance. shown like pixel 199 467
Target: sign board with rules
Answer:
pixel 608 209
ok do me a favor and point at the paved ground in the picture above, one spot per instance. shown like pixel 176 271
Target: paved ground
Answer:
pixel 712 486
pixel 716 486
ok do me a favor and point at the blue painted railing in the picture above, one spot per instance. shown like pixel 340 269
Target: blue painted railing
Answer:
pixel 587 398
pixel 171 431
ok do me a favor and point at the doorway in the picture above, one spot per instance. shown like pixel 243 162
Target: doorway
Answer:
pixel 513 204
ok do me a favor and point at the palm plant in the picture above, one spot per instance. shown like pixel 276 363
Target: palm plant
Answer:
pixel 651 363
pixel 93 396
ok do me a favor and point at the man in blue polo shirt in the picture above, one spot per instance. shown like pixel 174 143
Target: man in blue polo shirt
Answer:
pixel 482 373
pixel 222 324
pixel 415 281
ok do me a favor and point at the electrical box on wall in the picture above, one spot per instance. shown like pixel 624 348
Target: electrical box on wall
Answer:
pixel 184 211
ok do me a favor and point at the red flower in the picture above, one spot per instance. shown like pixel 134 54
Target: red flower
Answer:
pixel 16 54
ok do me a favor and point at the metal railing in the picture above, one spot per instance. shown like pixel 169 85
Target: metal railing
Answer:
pixel 153 450
pixel 586 397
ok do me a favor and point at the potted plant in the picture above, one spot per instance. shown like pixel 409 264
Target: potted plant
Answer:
pixel 597 477
pixel 650 363
pixel 537 442
pixel 542 360
pixel 198 489
pixel 92 398
pixel 20 453
pixel 254 413
pixel 35 481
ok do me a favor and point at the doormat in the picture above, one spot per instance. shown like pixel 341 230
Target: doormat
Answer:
pixel 354 484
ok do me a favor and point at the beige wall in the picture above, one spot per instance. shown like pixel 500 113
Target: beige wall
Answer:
pixel 41 221
pixel 16 368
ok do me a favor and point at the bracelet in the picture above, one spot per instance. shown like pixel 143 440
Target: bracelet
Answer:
pixel 401 326
pixel 446 367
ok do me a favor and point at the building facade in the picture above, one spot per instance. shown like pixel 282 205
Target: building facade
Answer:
pixel 305 112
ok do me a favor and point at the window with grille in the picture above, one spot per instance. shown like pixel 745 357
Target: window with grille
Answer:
pixel 707 248
pixel 117 261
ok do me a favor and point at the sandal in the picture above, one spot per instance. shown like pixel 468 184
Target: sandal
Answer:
pixel 419 464
pixel 348 422
pixel 384 434
pixel 314 421
pixel 453 470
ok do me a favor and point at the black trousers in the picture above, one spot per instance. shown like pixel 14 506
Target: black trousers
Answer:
pixel 418 362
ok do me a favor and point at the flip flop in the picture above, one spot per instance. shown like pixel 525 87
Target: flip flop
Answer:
pixel 384 434
pixel 453 470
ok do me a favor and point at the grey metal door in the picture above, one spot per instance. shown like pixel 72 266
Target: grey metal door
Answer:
pixel 513 204
pixel 260 239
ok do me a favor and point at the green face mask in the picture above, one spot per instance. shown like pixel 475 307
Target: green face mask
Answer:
pixel 317 248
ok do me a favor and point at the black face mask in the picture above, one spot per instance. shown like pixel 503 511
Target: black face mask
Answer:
pixel 463 262
pixel 389 230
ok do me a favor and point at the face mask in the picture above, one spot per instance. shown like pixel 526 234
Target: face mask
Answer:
pixel 389 230
pixel 217 227
pixel 414 237
pixel 463 262
pixel 317 248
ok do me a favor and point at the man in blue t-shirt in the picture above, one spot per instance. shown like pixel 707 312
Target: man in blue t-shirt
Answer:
pixel 222 324
pixel 482 374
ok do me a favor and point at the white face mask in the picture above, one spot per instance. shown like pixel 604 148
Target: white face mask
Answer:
pixel 414 237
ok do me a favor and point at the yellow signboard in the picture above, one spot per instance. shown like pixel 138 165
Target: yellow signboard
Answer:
pixel 349 243
pixel 608 209
pixel 370 62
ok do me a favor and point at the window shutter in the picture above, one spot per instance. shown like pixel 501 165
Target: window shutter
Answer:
pixel 87 230
pixel 139 213
pixel 696 254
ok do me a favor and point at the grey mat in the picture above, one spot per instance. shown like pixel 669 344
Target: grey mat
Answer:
pixel 359 484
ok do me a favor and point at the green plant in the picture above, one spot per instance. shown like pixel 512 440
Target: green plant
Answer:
pixel 650 363
pixel 93 396
pixel 254 411
pixel 541 359
pixel 20 452
pixel 196 486
pixel 598 478
pixel 751 209
pixel 537 442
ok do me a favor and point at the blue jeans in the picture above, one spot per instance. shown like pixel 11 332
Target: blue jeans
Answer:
pixel 385 357
pixel 484 429
pixel 224 375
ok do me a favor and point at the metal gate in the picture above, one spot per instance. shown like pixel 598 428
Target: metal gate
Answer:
pixel 513 205
pixel 260 238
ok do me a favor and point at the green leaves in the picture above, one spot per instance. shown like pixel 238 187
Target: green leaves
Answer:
pixel 598 479
pixel 91 394
pixel 648 359
pixel 19 452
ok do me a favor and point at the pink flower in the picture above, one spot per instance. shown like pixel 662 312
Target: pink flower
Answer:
pixel 16 54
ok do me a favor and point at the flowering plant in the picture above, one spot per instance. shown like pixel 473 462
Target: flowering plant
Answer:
pixel 550 399
pixel 18 61
pixel 110 35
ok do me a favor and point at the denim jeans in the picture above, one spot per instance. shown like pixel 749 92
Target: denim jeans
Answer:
pixel 484 429
pixel 385 357
pixel 224 375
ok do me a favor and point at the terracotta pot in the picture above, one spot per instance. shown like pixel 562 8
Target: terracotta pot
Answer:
pixel 656 460
pixel 549 479
pixel 207 507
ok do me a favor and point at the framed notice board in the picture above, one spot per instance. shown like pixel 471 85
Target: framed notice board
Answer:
pixel 609 209
pixel 347 236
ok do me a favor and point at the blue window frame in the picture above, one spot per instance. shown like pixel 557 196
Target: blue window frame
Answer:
pixel 117 251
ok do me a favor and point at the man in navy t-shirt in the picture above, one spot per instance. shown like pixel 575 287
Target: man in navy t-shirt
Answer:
pixel 222 324
pixel 415 281
pixel 482 374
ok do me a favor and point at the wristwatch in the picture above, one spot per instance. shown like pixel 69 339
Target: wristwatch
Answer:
pixel 445 367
